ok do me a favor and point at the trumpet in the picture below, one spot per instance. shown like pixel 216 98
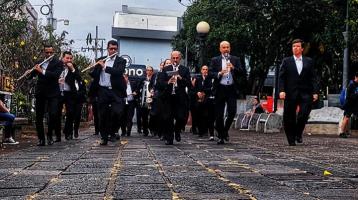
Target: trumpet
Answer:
pixel 30 70
pixel 104 60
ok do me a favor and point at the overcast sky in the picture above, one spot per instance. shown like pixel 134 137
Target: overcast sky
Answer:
pixel 84 15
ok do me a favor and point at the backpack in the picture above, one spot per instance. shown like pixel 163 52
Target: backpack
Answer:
pixel 343 94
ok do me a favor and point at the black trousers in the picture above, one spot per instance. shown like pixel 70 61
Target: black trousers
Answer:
pixel 294 123
pixel 178 115
pixel 225 97
pixel 110 110
pixel 69 100
pixel 206 117
pixel 145 119
pixel 77 118
pixel 127 119
pixel 95 116
pixel 53 116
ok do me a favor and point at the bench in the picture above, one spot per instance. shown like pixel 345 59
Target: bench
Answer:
pixel 324 121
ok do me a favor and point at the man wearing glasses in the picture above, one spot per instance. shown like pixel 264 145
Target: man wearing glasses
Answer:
pixel 47 93
pixel 111 86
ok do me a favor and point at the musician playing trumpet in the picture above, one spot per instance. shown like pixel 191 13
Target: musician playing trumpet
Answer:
pixel 47 93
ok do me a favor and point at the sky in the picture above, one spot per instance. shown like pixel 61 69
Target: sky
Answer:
pixel 85 15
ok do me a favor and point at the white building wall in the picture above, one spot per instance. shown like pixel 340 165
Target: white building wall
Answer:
pixel 145 52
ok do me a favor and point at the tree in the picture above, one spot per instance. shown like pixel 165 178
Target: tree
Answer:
pixel 260 33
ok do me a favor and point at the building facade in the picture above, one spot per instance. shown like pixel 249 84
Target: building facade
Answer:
pixel 145 34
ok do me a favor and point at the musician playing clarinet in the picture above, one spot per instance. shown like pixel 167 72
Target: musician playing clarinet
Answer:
pixel 109 80
pixel 69 83
pixel 47 93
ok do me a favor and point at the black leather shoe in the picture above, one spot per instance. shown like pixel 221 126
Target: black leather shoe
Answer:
pixel 299 139
pixel 292 144
pixel 221 141
pixel 50 142
pixel 169 142
pixel 41 143
pixel 75 134
pixel 177 137
pixel 103 142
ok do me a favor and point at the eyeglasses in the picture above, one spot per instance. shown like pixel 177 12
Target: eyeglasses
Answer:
pixel 48 52
pixel 113 48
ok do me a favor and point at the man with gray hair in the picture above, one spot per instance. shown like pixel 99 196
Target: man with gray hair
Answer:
pixel 228 74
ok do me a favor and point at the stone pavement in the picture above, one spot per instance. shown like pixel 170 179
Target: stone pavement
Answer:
pixel 250 166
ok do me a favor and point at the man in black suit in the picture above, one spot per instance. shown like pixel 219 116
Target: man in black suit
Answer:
pixel 69 86
pixel 47 93
pixel 146 98
pixel 228 74
pixel 175 91
pixel 202 88
pixel 109 80
pixel 298 87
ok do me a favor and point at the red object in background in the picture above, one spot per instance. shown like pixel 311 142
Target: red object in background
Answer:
pixel 268 104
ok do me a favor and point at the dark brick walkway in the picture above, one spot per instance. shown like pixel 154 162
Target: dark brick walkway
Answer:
pixel 251 166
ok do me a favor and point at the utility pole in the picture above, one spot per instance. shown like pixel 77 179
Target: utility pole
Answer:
pixel 96 44
pixel 50 21
pixel 346 55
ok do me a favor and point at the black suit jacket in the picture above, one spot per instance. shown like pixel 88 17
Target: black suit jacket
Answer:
pixel 238 74
pixel 71 78
pixel 205 86
pixel 181 83
pixel 294 84
pixel 118 83
pixel 47 85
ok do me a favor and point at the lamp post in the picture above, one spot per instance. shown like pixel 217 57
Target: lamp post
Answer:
pixel 345 57
pixel 202 28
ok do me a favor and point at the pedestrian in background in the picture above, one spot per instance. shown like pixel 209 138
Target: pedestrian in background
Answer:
pixel 350 106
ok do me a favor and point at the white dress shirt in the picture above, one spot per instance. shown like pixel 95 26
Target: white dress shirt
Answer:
pixel 226 78
pixel 105 78
pixel 299 63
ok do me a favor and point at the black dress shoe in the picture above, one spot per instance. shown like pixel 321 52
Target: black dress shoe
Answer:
pixel 169 142
pixel 50 142
pixel 58 140
pixel 221 141
pixel 103 142
pixel 226 138
pixel 177 137
pixel 41 143
pixel 75 134
pixel 299 139
pixel 292 144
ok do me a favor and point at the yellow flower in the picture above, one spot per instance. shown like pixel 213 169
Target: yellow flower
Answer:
pixel 22 43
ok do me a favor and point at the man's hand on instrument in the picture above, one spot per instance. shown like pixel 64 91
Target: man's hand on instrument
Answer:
pixel 38 69
pixel 222 72
pixel 172 80
pixel 282 95
pixel 70 66
pixel 101 62
pixel 315 97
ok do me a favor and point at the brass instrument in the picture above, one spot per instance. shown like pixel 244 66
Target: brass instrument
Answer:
pixel 104 60
pixel 175 84
pixel 147 97
pixel 30 70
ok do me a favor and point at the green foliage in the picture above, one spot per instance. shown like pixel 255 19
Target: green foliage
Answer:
pixel 262 30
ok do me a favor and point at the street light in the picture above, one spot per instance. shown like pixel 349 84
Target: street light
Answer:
pixel 345 56
pixel 202 28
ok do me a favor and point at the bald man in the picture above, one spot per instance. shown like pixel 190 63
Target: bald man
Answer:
pixel 175 98
pixel 228 75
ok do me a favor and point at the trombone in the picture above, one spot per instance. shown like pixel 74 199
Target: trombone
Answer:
pixel 30 70
pixel 104 60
